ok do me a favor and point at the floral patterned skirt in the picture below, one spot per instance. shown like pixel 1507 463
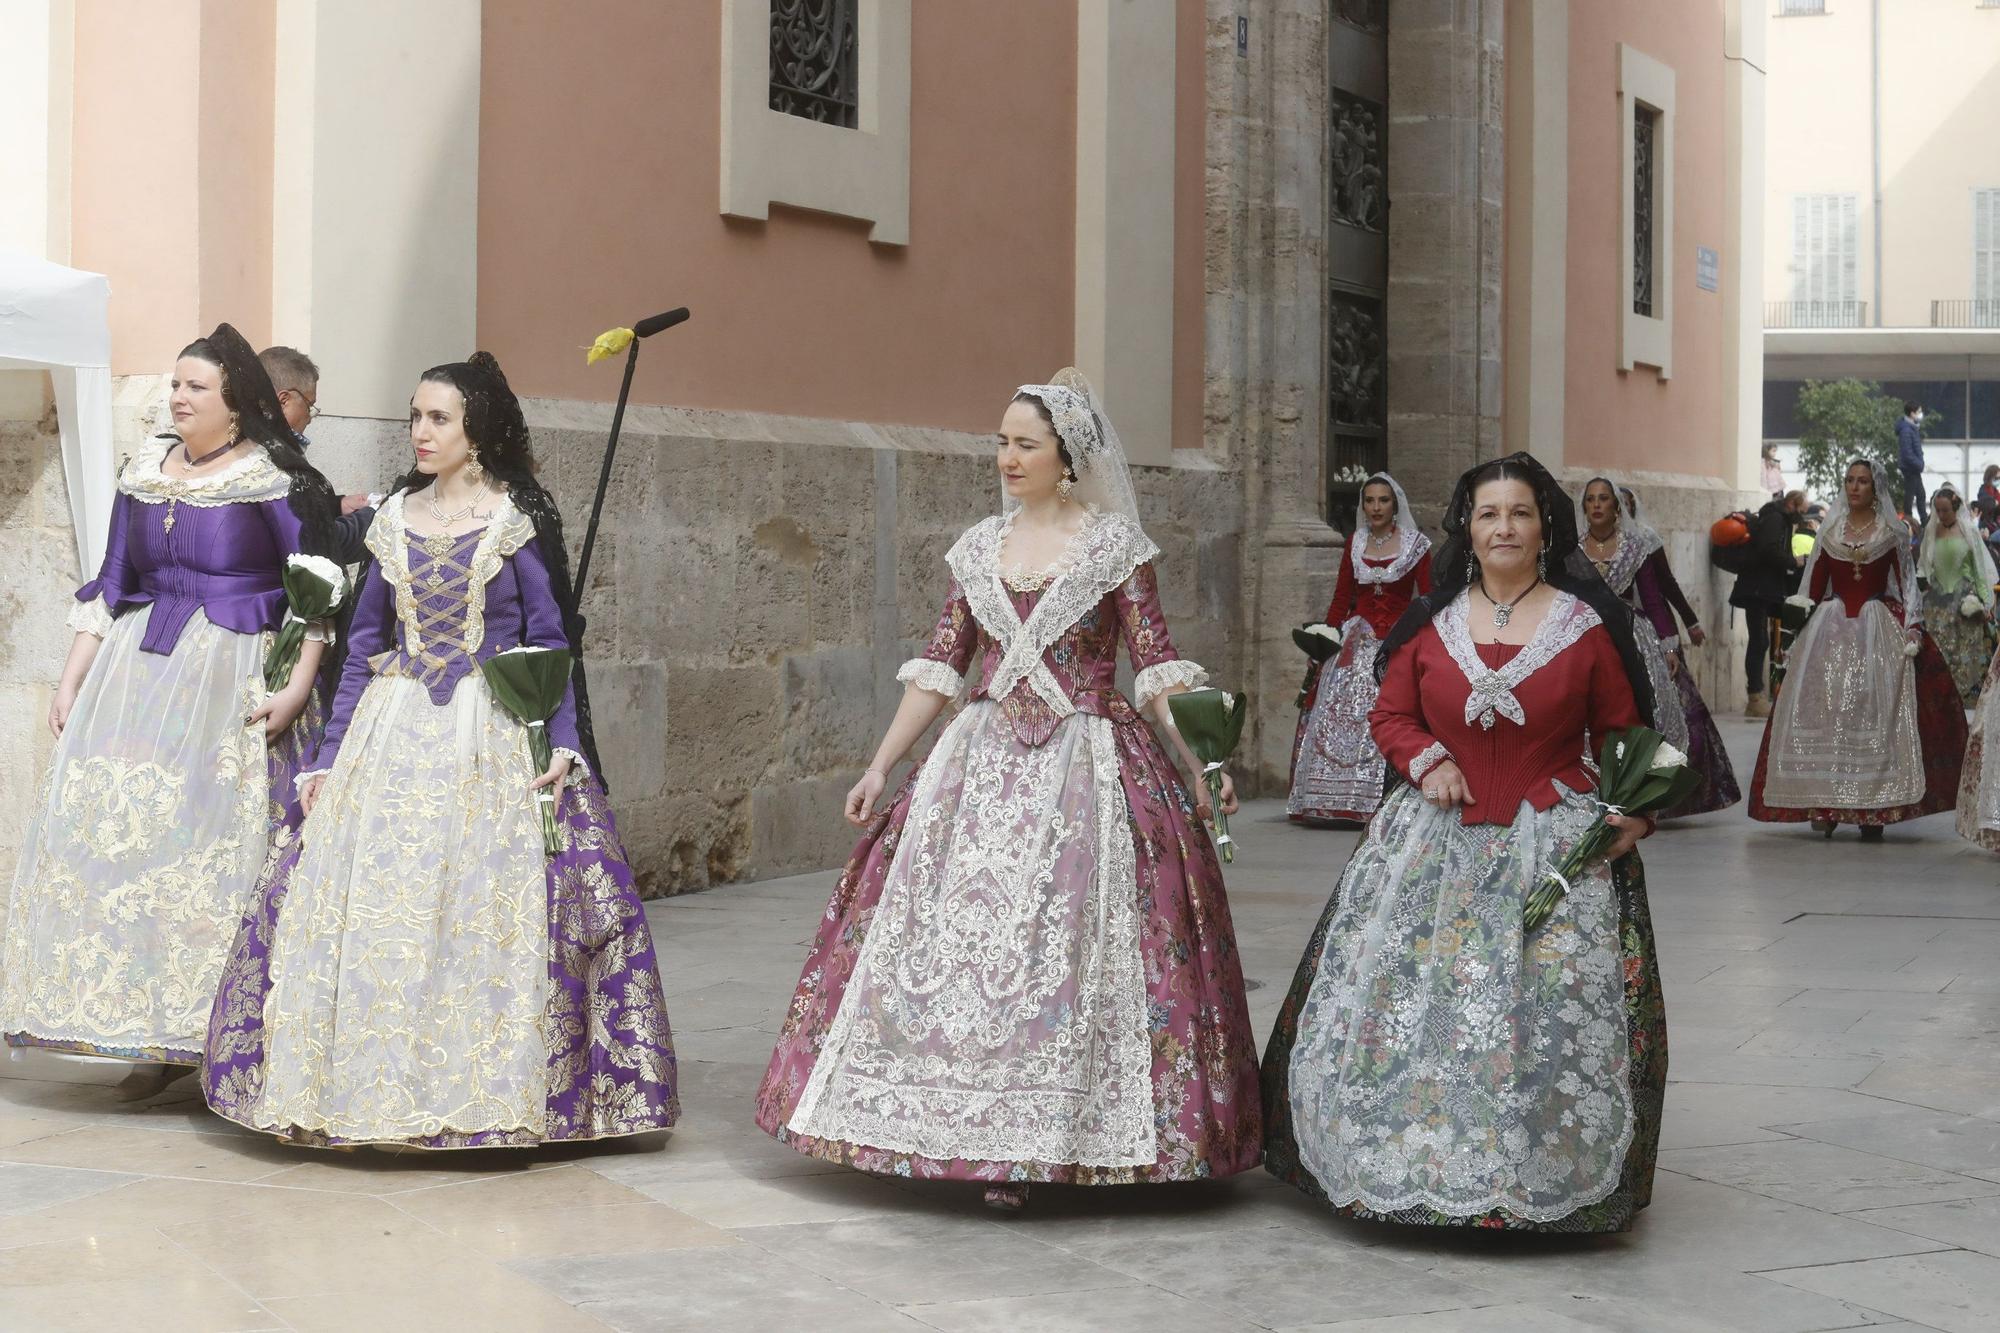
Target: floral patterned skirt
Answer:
pixel 1428 1067
pixel 1965 642
pixel 415 969
pixel 157 813
pixel 1337 772
pixel 1979 788
pixel 1026 972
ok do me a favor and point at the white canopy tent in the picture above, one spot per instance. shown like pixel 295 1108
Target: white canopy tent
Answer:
pixel 58 319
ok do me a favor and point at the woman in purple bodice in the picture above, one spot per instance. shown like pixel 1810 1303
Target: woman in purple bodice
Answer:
pixel 414 968
pixel 173 763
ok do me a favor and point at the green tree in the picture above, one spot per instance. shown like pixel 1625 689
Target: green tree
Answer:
pixel 1845 419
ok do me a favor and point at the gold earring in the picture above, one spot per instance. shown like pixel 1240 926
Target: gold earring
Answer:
pixel 1066 485
pixel 474 473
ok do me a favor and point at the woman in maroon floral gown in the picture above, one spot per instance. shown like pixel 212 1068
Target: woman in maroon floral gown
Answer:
pixel 1027 970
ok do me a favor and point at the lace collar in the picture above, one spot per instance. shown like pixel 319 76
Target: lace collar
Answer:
pixel 1633 549
pixel 1102 555
pixel 388 538
pixel 251 479
pixel 1567 620
pixel 1409 551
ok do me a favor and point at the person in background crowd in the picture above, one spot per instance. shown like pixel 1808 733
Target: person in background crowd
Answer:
pixel 1988 500
pixel 1762 587
pixel 296 378
pixel 1910 461
pixel 1774 476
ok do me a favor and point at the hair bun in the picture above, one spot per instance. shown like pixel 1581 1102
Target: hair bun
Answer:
pixel 1069 377
pixel 487 363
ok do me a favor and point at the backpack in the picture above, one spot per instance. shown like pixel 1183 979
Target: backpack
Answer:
pixel 1729 542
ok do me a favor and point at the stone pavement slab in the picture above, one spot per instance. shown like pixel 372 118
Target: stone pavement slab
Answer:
pixel 1831 1158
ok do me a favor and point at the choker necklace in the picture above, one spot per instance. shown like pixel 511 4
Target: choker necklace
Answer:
pixel 1504 611
pixel 189 460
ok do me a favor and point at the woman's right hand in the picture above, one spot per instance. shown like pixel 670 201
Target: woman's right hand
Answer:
pixel 59 709
pixel 1444 787
pixel 861 797
pixel 309 793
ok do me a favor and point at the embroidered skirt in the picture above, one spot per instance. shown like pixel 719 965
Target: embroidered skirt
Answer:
pixel 145 845
pixel 1430 1068
pixel 415 969
pixel 1337 773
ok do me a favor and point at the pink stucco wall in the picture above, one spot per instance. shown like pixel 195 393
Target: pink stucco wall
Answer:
pixel 1633 419
pixel 136 172
pixel 599 203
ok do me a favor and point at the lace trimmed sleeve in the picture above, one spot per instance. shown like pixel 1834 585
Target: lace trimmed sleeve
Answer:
pixel 942 665
pixel 90 617
pixel 1158 666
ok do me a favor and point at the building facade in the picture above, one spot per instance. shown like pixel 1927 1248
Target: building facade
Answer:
pixel 1883 216
pixel 1290 240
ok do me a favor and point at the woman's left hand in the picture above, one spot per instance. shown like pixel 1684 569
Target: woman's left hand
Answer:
pixel 1673 665
pixel 279 711
pixel 557 775
pixel 1697 635
pixel 1631 828
pixel 1201 805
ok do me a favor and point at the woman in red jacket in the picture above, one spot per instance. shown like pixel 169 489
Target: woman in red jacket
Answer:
pixel 1336 770
pixel 1433 1065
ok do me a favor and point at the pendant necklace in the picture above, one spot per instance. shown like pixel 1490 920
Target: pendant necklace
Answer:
pixel 1504 611
pixel 191 462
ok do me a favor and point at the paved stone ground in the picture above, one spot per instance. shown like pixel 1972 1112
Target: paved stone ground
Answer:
pixel 1832 1159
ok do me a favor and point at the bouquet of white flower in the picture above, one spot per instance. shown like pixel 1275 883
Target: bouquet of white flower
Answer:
pixel 1211 722
pixel 529 683
pixel 314 588
pixel 1972 608
pixel 1638 773
pixel 1319 642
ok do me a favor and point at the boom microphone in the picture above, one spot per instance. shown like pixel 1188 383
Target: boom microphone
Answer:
pixel 646 328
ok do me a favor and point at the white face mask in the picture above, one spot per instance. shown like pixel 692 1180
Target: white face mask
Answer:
pixel 1918 416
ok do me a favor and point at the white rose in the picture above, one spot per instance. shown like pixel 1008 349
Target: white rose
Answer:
pixel 1324 631
pixel 322 569
pixel 1228 700
pixel 1800 600
pixel 1667 757
pixel 1971 606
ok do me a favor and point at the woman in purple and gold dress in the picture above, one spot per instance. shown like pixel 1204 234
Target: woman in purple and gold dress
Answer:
pixel 1027 971
pixel 415 969
pixel 173 764
pixel 1629 555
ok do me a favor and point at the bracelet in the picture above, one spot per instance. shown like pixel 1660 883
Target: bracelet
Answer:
pixel 877 772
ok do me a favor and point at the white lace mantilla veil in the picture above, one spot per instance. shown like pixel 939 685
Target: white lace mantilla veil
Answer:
pixel 1890 533
pixel 1411 548
pixel 1982 559
pixel 1103 475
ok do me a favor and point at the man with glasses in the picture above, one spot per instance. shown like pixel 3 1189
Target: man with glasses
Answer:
pixel 296 379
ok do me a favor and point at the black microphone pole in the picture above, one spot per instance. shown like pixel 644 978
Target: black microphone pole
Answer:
pixel 645 328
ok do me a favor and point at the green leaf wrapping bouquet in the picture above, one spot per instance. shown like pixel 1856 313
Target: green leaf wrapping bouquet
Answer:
pixel 1638 774
pixel 529 683
pixel 1211 722
pixel 314 588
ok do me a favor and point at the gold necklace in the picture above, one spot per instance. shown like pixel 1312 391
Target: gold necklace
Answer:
pixel 177 487
pixel 440 543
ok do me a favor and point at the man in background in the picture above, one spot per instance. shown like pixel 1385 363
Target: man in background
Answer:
pixel 1767 579
pixel 1910 462
pixel 296 379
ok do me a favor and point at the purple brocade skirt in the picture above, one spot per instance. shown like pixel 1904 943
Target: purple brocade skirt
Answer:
pixel 605 1046
pixel 1718 789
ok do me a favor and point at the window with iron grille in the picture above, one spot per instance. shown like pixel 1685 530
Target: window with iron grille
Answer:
pixel 1826 249
pixel 1645 206
pixel 813 61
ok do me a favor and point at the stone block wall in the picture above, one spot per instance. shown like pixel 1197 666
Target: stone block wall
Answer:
pixel 757 580
pixel 38 552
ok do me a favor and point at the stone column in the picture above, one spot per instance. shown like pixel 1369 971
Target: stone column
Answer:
pixel 1446 182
